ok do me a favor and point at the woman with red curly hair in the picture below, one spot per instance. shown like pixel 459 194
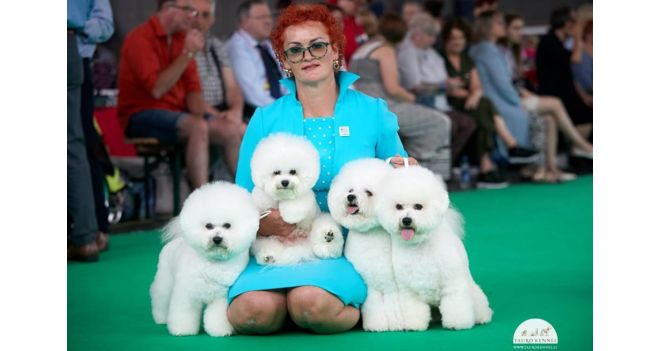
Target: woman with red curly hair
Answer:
pixel 344 125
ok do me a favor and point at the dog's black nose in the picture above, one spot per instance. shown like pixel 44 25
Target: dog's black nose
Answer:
pixel 407 221
pixel 217 240
pixel 285 183
pixel 351 197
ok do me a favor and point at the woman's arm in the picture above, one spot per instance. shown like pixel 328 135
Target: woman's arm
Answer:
pixel 475 90
pixel 497 73
pixel 385 55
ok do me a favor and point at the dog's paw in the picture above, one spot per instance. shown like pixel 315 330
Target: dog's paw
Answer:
pixel 265 259
pixel 457 316
pixel 483 315
pixel 219 329
pixel 160 318
pixel 330 236
pixel 375 322
pixel 327 250
pixel 183 329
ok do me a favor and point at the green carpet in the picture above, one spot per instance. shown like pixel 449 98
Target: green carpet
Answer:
pixel 530 248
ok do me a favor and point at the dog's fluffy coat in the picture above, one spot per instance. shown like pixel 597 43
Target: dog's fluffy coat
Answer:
pixel 206 250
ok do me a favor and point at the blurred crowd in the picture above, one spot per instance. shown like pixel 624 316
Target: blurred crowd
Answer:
pixel 479 99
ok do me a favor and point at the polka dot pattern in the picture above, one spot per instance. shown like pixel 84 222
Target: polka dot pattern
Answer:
pixel 320 131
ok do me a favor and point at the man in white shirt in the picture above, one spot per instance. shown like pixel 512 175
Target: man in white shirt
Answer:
pixel 421 68
pixel 252 56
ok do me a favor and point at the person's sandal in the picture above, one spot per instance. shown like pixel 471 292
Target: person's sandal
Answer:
pixel 544 177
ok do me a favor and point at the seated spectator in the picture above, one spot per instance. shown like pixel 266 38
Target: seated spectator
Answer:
pixel 581 64
pixel 554 69
pixel 435 9
pixel 497 84
pixel 482 6
pixel 337 13
pixel 352 29
pixel 467 97
pixel 410 8
pixel 222 95
pixel 425 132
pixel 252 56
pixel 511 47
pixel 159 88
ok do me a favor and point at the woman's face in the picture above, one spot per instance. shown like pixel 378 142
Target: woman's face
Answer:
pixel 456 42
pixel 299 41
pixel 515 31
pixel 498 27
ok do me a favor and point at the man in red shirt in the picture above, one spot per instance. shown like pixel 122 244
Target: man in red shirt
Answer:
pixel 159 88
pixel 352 30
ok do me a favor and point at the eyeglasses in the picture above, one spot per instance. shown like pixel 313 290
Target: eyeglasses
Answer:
pixel 191 10
pixel 296 54
pixel 205 14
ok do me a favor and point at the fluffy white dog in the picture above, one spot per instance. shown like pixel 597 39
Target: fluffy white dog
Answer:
pixel 207 249
pixel 428 256
pixel 351 201
pixel 284 168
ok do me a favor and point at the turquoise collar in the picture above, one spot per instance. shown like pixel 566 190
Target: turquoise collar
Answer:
pixel 344 78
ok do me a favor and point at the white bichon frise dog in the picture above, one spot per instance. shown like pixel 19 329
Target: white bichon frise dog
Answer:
pixel 284 168
pixel 351 200
pixel 428 255
pixel 208 248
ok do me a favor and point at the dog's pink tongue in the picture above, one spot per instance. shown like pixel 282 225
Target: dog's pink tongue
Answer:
pixel 352 209
pixel 407 234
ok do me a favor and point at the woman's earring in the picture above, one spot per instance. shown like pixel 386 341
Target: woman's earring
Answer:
pixel 287 72
pixel 337 65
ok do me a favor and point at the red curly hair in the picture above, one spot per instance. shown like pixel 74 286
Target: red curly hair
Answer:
pixel 296 14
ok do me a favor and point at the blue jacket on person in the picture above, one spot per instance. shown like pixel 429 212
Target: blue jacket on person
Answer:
pixel 364 128
pixel 372 128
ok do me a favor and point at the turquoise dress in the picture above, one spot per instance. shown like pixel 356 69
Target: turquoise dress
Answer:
pixel 361 127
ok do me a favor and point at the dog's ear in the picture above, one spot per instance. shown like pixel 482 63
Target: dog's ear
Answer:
pixel 172 230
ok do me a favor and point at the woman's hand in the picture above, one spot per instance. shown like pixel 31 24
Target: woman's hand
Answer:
pixel 525 93
pixel 273 224
pixel 472 101
pixel 398 161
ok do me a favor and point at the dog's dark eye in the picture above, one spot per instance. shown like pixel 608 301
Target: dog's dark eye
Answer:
pixel 276 173
pixel 399 207
pixel 351 190
pixel 369 193
pixel 209 226
pixel 417 206
pixel 227 226
pixel 292 172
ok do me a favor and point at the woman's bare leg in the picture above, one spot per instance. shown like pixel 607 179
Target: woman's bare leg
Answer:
pixel 554 106
pixel 258 312
pixel 320 311
pixel 503 132
pixel 551 148
pixel 486 165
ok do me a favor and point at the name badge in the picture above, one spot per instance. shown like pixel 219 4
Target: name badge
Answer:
pixel 344 131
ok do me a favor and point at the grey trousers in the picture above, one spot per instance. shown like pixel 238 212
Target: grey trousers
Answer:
pixel 80 199
pixel 426 135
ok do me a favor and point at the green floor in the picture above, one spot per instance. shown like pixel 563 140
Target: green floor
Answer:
pixel 530 248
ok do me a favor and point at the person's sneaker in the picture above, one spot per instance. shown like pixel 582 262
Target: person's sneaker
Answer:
pixel 519 155
pixel 491 180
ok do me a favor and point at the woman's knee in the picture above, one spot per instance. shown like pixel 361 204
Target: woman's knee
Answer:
pixel 258 312
pixel 313 308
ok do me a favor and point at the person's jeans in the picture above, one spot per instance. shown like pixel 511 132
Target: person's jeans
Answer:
pixel 80 201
